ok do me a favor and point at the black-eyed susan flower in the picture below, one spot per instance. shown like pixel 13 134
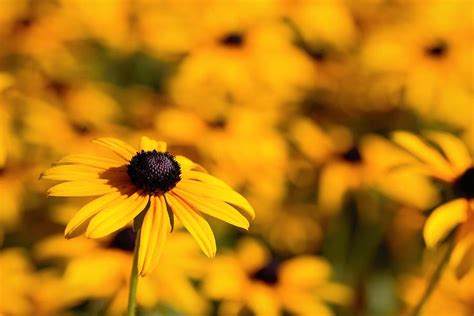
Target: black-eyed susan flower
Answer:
pixel 453 165
pixel 349 165
pixel 250 280
pixel 150 180
pixel 452 296
pixel 107 263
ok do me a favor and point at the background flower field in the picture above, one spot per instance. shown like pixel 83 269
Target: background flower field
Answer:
pixel 292 103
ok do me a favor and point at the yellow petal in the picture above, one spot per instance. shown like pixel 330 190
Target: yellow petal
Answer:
pixel 197 226
pixel 443 219
pixel 71 173
pixel 216 192
pixel 462 257
pixel 154 232
pixel 88 160
pixel 425 153
pixel 116 216
pixel 454 149
pixel 335 181
pixel 122 149
pixel 204 177
pixel 214 208
pixel 305 272
pixel 82 188
pixel 148 144
pixel 89 210
pixel 188 164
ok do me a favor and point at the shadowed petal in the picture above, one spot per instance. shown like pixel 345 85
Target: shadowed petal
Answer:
pixel 122 149
pixel 82 188
pixel 88 160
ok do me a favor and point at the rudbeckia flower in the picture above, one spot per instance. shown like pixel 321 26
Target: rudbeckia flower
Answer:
pixel 250 280
pixel 453 166
pixel 152 181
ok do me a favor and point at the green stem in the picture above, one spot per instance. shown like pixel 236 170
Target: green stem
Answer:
pixel 434 278
pixel 132 291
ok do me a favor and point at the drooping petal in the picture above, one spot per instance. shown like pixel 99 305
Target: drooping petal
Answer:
pixel 454 149
pixel 197 226
pixel 154 232
pixel 82 188
pixel 116 216
pixel 214 208
pixel 204 177
pixel 425 153
pixel 148 144
pixel 122 149
pixel 443 219
pixel 89 210
pixel 88 160
pixel 207 190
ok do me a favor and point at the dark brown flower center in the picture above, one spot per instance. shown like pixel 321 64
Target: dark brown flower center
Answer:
pixel 464 184
pixel 267 274
pixel 352 155
pixel 437 49
pixel 232 40
pixel 155 172
pixel 124 240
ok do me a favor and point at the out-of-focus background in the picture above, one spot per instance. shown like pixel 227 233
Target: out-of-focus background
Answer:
pixel 290 102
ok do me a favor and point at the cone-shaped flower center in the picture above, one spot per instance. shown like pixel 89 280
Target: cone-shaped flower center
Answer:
pixel 155 172
pixel 464 184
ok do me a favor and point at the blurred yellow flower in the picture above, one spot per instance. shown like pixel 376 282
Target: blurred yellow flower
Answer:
pixel 432 60
pixel 454 166
pixel 150 180
pixel 451 296
pixel 108 263
pixel 348 165
pixel 249 279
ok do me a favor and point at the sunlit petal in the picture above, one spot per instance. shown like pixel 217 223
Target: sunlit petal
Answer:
pixel 216 192
pixel 122 149
pixel 443 219
pixel 197 226
pixel 154 232
pixel 148 144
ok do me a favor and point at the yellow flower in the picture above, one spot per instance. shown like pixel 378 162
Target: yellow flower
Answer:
pixel 150 179
pixel 250 279
pixel 349 165
pixel 108 261
pixel 430 55
pixel 450 297
pixel 454 166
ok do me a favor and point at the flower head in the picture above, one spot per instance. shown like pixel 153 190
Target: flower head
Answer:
pixel 453 166
pixel 152 181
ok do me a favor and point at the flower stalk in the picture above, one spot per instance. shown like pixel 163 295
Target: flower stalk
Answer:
pixel 132 291
pixel 435 277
